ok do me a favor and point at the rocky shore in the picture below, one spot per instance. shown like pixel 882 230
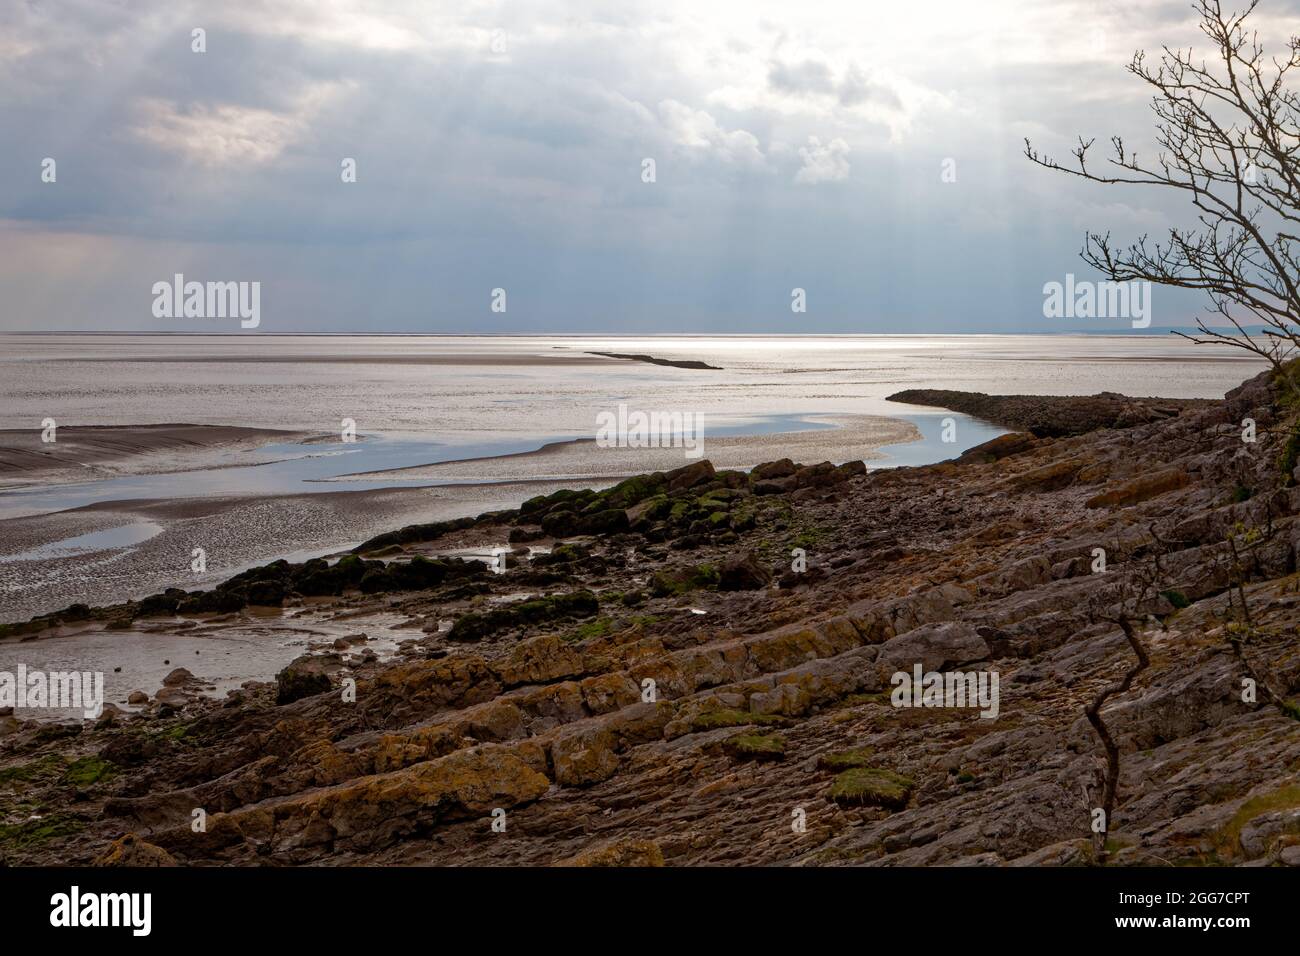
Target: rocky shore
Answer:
pixel 696 667
pixel 1053 416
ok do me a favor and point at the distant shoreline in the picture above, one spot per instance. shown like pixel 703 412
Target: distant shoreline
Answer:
pixel 654 360
pixel 1099 333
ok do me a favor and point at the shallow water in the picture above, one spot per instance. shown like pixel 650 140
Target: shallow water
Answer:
pixel 303 468
pixel 482 389
pixel 225 655
pixel 939 441
pixel 306 468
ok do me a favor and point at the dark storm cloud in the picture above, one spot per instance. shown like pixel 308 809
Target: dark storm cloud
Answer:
pixel 503 145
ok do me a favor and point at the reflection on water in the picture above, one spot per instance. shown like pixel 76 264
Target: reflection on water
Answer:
pixel 966 433
pixel 484 387
pixel 441 398
pixel 305 468
pixel 223 656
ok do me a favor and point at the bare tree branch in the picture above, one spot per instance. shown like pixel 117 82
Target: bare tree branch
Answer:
pixel 1229 141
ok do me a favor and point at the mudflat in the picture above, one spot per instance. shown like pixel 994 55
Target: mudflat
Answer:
pixel 851 438
pixel 89 452
pixel 236 531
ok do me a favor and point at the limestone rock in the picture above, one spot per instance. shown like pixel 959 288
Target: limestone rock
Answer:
pixel 935 647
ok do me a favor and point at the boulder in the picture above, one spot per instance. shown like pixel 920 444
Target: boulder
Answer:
pixel 935 647
pixel 305 676
pixel 774 469
pixel 743 573
pixel 690 475
pixel 996 449
pixel 1259 834
pixel 584 755
pixel 1141 489
pixel 130 850
pixel 178 678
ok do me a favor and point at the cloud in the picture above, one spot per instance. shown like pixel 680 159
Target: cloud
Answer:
pixel 857 89
pixel 814 79
pixel 521 168
pixel 216 135
pixel 810 76
pixel 343 24
pixel 827 163
pixel 228 134
pixel 698 130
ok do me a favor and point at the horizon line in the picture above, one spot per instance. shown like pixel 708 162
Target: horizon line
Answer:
pixel 590 334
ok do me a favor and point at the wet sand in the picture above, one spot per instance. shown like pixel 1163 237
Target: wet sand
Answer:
pixel 853 438
pixel 116 550
pixel 90 452
pixel 559 358
pixel 121 549
pixel 235 533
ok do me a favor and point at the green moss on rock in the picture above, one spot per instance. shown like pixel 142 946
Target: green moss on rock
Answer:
pixel 728 717
pixel 755 747
pixel 845 759
pixel 45 766
pixel 476 626
pixel 683 580
pixel 88 771
pixel 28 833
pixel 870 786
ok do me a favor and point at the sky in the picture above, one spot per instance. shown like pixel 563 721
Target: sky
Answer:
pixel 870 154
